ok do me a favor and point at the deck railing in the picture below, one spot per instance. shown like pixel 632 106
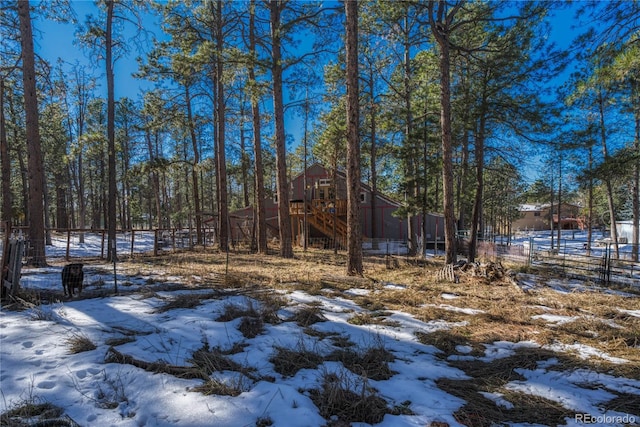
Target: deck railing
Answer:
pixel 323 205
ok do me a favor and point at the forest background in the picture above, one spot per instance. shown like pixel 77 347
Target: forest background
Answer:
pixel 464 108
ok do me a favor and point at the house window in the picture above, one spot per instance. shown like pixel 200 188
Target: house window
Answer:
pixel 536 214
pixel 363 197
pixel 321 194
pixel 326 193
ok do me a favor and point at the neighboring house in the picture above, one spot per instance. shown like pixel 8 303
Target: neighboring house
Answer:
pixel 326 205
pixel 538 217
pixel 625 231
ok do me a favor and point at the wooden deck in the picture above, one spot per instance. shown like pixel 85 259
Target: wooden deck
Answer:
pixel 324 215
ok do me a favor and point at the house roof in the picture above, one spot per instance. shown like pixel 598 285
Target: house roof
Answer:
pixel 343 175
pixel 532 207
pixel 538 207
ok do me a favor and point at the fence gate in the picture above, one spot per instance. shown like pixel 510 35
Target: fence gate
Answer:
pixel 605 266
pixel 12 266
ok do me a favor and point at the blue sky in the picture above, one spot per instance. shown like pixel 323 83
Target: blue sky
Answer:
pixel 55 40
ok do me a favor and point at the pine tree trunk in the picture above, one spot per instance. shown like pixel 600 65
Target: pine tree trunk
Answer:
pixel 194 170
pixel 590 203
pixel 260 213
pixel 244 158
pixel 223 206
pixel 559 229
pixel 374 169
pixel 605 154
pixel 476 216
pixel 284 220
pixel 354 232
pixel 111 146
pixel 410 171
pixel 441 30
pixel 635 93
pixel 34 153
pixel 81 111
pixel 7 198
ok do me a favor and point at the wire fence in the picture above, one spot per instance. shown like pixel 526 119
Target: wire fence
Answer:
pixel 600 262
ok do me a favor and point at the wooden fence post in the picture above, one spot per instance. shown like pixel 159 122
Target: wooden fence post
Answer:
pixel 4 269
pixel 68 243
pixel 12 255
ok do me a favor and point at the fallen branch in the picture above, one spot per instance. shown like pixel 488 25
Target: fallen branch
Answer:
pixel 188 372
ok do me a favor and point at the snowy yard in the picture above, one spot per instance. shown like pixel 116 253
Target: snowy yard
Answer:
pixel 293 343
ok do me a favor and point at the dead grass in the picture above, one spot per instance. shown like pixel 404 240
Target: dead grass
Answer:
pixel 79 343
pixel 308 315
pixel 508 310
pixel 270 305
pixel 496 373
pixel 492 376
pixel 601 329
pixel 267 312
pixel 371 363
pixel 186 301
pixel 253 319
pixel 448 342
pixel 624 403
pixel 27 412
pixel 235 311
pixel 213 360
pixel 432 312
pixel 372 318
pixel 344 401
pixel 342 341
pixel 506 314
pixel 288 362
pixel 251 327
pixel 479 411
pixel 116 341
pixel 216 386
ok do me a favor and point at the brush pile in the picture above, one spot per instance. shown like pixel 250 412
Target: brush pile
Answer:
pixel 486 272
pixel 489 271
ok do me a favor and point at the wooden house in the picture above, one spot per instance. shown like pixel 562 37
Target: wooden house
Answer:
pixel 323 206
pixel 535 217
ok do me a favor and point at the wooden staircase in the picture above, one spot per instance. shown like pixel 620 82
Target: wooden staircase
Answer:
pixel 323 218
pixel 324 221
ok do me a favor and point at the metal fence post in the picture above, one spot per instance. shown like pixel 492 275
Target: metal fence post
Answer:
pixel 608 269
pixel 605 266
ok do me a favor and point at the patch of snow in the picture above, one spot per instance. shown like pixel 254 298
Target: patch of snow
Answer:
pixel 357 292
pixel 634 313
pixel 566 389
pixel 503 349
pixel 464 349
pixel 498 399
pixel 456 309
pixel 584 351
pixel 555 318
pixel 393 286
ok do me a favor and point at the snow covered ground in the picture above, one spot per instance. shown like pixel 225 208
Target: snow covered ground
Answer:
pixel 37 364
